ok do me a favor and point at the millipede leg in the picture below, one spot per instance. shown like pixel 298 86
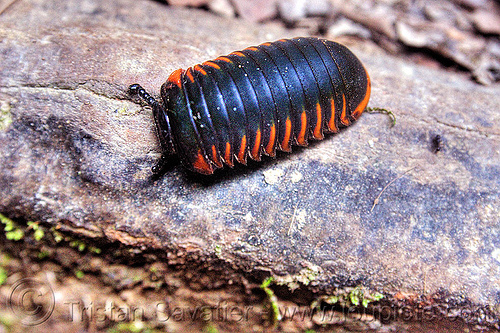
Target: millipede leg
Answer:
pixel 160 164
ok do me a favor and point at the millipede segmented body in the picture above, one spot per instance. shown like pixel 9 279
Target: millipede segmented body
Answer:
pixel 258 100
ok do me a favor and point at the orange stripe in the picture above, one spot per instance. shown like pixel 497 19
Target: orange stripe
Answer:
pixel 175 77
pixel 252 48
pixel 201 165
pixel 224 59
pixel 301 139
pixel 189 75
pixel 362 106
pixel 256 146
pixel 318 134
pixel 343 115
pixel 285 145
pixel 238 53
pixel 200 70
pixel 227 155
pixel 243 150
pixel 270 144
pixel 266 44
pixel 331 124
pixel 211 64
pixel 215 157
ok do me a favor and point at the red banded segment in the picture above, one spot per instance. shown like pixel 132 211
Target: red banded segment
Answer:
pixel 233 105
pixel 301 56
pixel 282 65
pixel 201 115
pixel 273 80
pixel 235 67
pixel 216 107
pixel 175 77
pixel 354 77
pixel 265 106
pixel 364 102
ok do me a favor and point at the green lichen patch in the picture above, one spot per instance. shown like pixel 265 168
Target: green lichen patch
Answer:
pixel 303 277
pixel 38 232
pixel 210 328
pixel 350 296
pixel 79 274
pixel 43 254
pixel 82 246
pixel 3 275
pixel 5 115
pixel 132 327
pixel 218 251
pixel 12 231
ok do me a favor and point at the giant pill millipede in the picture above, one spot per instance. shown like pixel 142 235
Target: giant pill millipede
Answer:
pixel 257 100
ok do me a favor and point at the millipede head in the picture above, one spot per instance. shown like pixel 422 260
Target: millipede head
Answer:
pixel 163 128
